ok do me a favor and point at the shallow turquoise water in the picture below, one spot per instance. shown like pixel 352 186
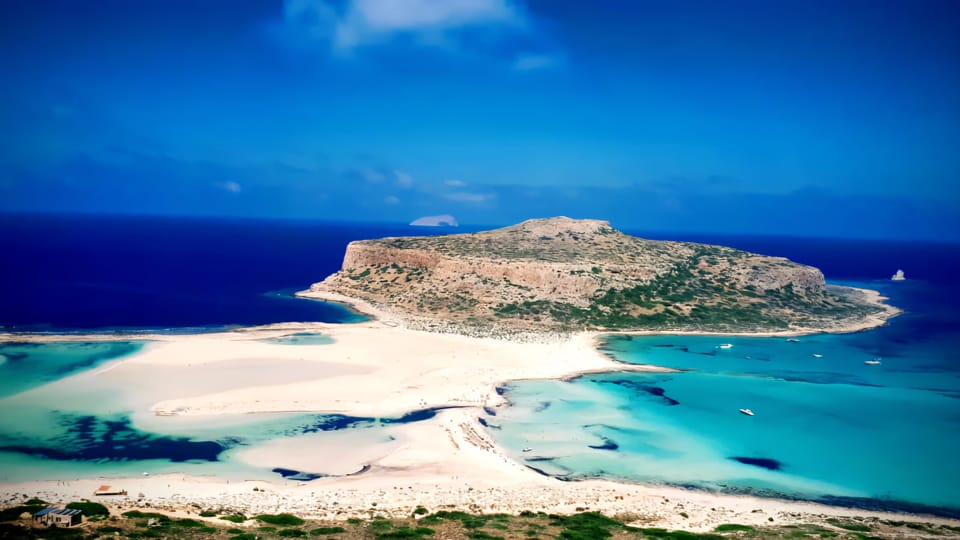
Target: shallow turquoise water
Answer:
pixel 56 426
pixel 825 424
pixel 302 338
pixel 27 365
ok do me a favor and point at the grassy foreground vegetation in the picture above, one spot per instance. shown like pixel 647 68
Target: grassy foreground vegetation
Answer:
pixel 423 524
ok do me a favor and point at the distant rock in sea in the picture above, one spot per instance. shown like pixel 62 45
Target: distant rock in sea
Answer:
pixel 445 220
pixel 898 276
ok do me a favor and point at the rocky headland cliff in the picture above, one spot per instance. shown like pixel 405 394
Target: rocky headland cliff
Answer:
pixel 561 274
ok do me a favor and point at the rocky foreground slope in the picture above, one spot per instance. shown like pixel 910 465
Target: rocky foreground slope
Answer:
pixel 561 274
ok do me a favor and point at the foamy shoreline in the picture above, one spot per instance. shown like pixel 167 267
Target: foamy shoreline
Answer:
pixel 380 368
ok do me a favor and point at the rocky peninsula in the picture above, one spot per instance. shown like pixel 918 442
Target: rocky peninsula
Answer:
pixel 564 275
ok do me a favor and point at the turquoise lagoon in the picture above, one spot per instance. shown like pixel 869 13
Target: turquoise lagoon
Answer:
pixel 302 338
pixel 56 424
pixel 27 365
pixel 826 427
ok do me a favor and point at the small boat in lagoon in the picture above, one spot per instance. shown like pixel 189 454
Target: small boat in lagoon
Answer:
pixel 815 355
pixel 747 412
pixel 725 346
pixel 793 340
pixel 874 362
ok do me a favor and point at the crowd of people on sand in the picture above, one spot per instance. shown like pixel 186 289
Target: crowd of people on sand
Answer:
pixel 498 332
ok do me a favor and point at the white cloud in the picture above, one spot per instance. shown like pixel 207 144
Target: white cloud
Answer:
pixel 455 183
pixel 399 15
pixel 392 200
pixel 403 179
pixel 476 198
pixel 232 187
pixel 531 62
pixel 365 22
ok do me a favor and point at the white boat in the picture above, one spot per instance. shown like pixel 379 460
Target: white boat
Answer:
pixel 527 449
pixel 725 346
pixel 898 276
pixel 873 362
pixel 815 355
pixel 747 412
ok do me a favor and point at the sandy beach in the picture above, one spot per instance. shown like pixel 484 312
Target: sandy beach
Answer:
pixel 379 368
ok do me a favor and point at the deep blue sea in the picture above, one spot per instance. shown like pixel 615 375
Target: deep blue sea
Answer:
pixel 71 273
pixel 827 426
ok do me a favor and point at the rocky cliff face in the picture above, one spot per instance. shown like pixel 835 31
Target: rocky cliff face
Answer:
pixel 561 273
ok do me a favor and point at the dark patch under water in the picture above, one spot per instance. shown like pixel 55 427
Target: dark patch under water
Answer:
pixel 816 377
pixel 415 416
pixel 766 463
pixel 113 350
pixel 539 471
pixel 333 422
pixel 291 474
pixel 488 425
pixel 608 444
pixel 543 405
pixel 640 387
pixel 659 392
pixel 15 357
pixel 31 364
pixel 90 438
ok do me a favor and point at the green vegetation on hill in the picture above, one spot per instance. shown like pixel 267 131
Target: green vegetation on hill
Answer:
pixel 90 509
pixel 280 519
pixel 562 274
pixel 687 297
pixel 13 513
pixel 457 525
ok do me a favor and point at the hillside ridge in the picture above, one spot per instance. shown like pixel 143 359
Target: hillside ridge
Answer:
pixel 563 274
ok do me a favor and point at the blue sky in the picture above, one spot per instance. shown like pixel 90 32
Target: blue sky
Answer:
pixel 811 118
